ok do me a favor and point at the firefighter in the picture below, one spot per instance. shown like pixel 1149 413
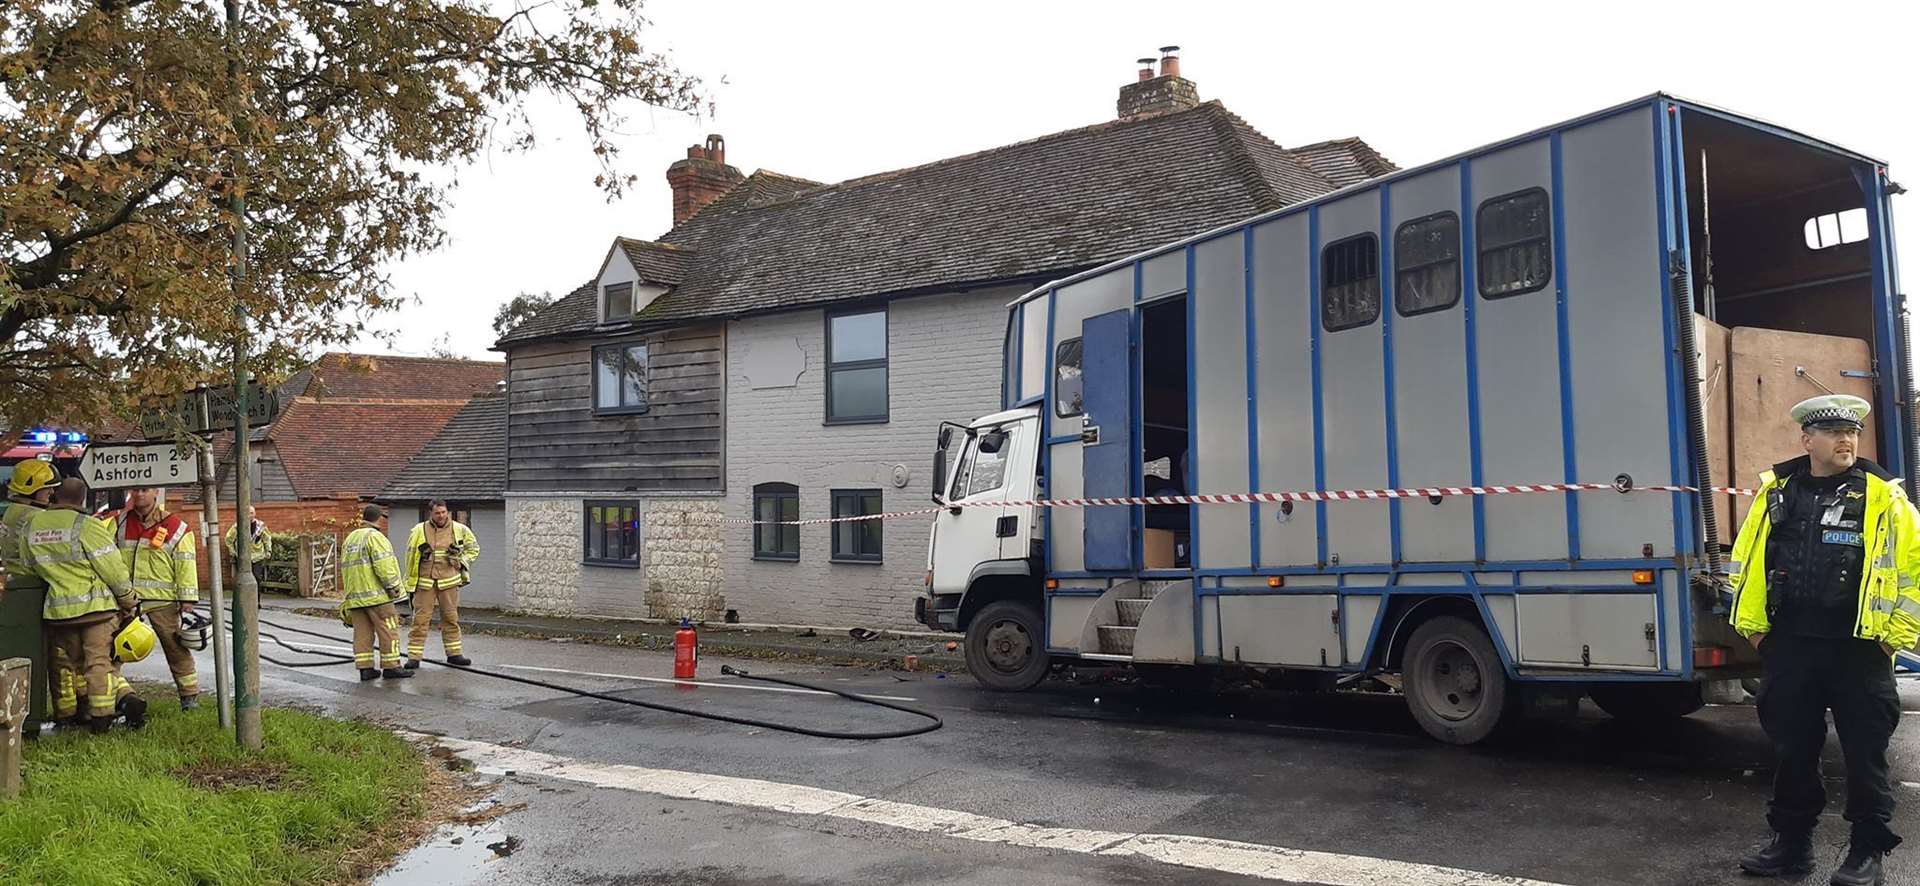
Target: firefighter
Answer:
pixel 161 559
pixel 440 555
pixel 261 537
pixel 86 585
pixel 1826 578
pixel 370 581
pixel 29 490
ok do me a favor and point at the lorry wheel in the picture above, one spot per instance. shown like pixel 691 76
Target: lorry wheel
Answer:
pixel 1455 684
pixel 1006 647
pixel 1648 702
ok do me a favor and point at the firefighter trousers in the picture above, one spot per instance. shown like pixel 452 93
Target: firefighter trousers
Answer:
pixel 165 619
pixel 87 644
pixel 1805 677
pixel 375 624
pixel 425 601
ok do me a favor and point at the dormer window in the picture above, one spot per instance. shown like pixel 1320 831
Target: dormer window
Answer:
pixel 616 303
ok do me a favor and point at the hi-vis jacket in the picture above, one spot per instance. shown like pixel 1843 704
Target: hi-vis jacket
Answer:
pixel 369 574
pixel 465 549
pixel 1889 604
pixel 12 527
pixel 75 555
pixel 161 558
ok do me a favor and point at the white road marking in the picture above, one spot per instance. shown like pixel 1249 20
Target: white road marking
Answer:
pixel 667 680
pixel 1205 853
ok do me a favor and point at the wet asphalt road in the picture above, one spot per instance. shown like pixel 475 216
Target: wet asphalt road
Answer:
pixel 1572 800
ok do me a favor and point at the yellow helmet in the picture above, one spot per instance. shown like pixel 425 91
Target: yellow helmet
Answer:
pixel 134 642
pixel 31 476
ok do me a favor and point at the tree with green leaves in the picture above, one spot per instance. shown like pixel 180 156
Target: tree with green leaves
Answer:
pixel 122 138
pixel 516 310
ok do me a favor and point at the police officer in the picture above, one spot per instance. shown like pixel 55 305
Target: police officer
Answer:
pixel 1824 576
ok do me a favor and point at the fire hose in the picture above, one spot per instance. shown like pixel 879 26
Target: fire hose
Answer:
pixel 935 722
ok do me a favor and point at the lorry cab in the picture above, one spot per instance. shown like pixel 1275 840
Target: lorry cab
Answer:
pixel 1313 444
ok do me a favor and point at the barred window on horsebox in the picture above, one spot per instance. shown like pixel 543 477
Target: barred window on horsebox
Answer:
pixel 1350 283
pixel 1426 264
pixel 1514 235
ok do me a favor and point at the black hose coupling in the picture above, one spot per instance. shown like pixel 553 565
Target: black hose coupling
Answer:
pixel 731 671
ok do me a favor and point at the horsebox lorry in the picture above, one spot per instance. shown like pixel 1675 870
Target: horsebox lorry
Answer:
pixel 1459 432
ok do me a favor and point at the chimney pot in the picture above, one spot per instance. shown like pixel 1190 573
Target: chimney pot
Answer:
pixel 716 148
pixel 1151 95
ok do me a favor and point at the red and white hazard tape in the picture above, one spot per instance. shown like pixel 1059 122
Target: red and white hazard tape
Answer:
pixel 1245 498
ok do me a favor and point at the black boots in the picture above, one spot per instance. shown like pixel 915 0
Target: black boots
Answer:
pixel 368 674
pixel 396 673
pixel 135 708
pixel 1789 854
pixel 413 664
pixel 190 702
pixel 99 725
pixel 1862 868
pixel 460 660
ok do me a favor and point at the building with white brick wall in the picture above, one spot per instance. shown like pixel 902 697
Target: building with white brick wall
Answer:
pixel 788 350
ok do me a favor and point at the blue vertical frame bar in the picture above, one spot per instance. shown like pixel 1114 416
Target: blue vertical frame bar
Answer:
pixel 1138 514
pixel 1686 507
pixel 1470 280
pixel 1570 466
pixel 1885 347
pixel 1313 349
pixel 1253 399
pixel 1193 423
pixel 1046 447
pixel 1387 312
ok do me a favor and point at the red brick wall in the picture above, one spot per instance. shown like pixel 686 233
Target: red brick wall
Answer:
pixel 336 515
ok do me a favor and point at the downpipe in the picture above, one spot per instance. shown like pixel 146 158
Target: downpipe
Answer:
pixel 1681 281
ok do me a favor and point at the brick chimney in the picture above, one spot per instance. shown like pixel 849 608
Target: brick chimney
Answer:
pixel 701 178
pixel 1152 95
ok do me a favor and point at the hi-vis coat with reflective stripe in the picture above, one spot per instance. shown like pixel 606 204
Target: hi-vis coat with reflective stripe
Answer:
pixel 160 558
pixel 369 573
pixel 76 556
pixel 466 549
pixel 1889 604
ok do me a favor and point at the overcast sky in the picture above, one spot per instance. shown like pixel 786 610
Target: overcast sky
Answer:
pixel 834 90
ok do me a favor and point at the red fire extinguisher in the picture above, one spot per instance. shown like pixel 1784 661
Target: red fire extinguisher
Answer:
pixel 686 651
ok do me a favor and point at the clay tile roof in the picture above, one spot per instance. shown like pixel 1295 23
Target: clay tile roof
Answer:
pixel 466 461
pixel 330 447
pixel 1344 161
pixel 341 376
pixel 1024 211
pixel 662 263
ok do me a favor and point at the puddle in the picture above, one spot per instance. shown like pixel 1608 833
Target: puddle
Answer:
pixel 441 860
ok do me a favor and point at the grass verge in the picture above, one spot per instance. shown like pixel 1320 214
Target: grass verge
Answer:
pixel 326 801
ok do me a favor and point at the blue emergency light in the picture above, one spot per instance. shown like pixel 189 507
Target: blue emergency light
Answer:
pixel 44 437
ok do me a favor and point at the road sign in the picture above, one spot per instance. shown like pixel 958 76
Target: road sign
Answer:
pixel 203 410
pixel 132 465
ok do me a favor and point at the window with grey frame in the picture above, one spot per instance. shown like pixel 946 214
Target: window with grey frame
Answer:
pixel 1350 283
pixel 1069 387
pixel 775 506
pixel 1513 234
pixel 856 541
pixel 1426 264
pixel 616 302
pixel 620 379
pixel 610 532
pixel 857 367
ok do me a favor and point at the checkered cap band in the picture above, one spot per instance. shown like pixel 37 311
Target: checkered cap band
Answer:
pixel 1831 415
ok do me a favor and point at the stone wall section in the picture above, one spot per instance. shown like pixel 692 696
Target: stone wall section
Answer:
pixel 681 551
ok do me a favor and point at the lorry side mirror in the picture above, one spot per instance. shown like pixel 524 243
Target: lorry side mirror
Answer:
pixel 940 471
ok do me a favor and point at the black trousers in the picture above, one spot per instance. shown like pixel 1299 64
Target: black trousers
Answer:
pixel 1805 677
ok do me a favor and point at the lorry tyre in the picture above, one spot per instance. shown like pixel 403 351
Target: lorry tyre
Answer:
pixel 1006 647
pixel 1455 684
pixel 1648 702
